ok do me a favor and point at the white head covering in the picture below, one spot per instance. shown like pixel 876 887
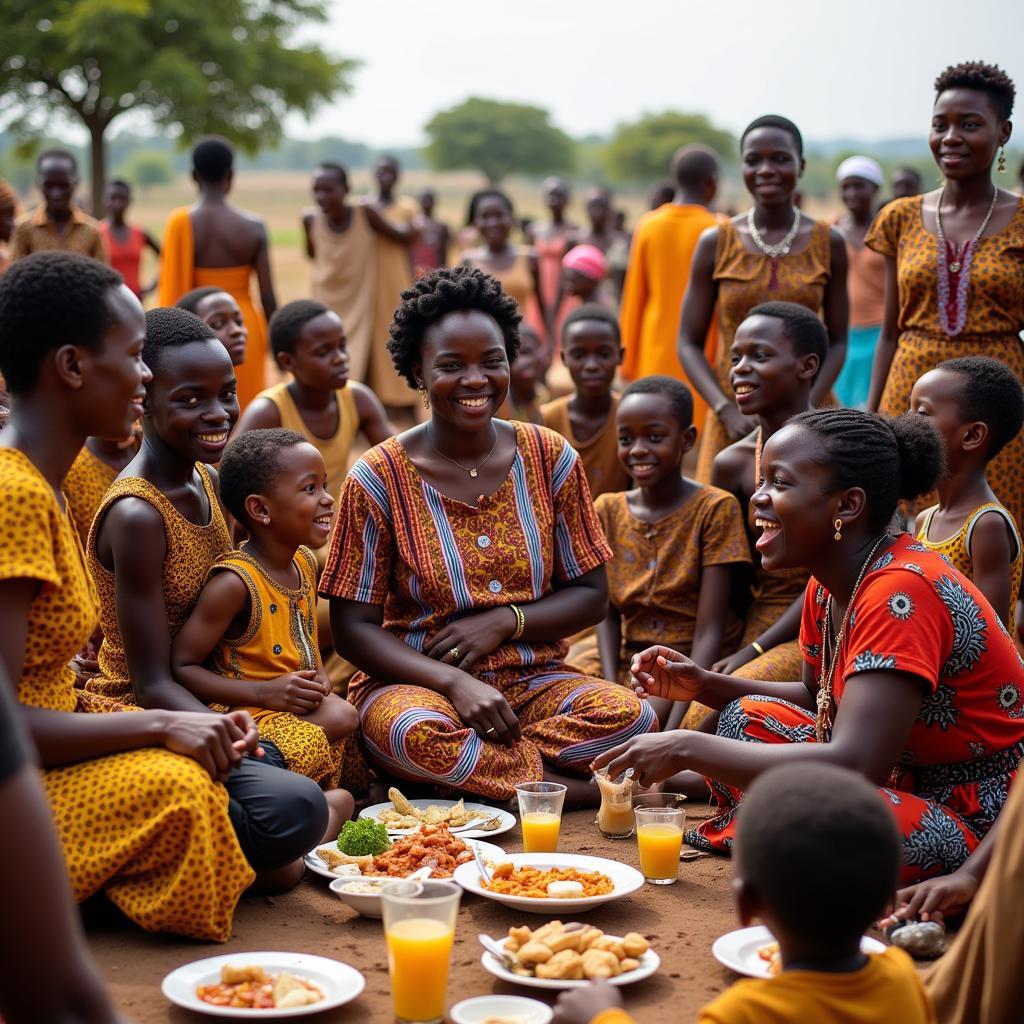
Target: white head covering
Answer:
pixel 861 167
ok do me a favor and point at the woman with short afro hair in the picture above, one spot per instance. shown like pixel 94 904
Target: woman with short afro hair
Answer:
pixel 466 550
pixel 955 259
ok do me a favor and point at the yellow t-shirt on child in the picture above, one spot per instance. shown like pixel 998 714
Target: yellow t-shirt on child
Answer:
pixel 887 988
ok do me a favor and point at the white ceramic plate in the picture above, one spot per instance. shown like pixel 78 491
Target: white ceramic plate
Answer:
pixel 649 963
pixel 339 983
pixel 312 859
pixel 507 821
pixel 625 879
pixel 738 950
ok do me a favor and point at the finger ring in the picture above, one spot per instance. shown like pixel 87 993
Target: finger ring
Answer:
pixel 454 652
pixel 487 732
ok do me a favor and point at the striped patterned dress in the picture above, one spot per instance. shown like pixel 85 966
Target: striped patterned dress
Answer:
pixel 426 559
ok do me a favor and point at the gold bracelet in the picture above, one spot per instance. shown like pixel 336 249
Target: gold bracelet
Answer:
pixel 520 622
pixel 757 647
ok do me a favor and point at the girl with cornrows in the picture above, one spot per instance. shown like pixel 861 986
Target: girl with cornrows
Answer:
pixel 955 259
pixel 466 549
pixel 909 677
pixel 771 253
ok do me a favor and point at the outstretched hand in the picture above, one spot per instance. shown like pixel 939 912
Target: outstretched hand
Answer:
pixel 933 899
pixel 653 757
pixel 662 672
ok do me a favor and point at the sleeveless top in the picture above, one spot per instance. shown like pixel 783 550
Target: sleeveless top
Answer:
pixel 191 550
pixel 125 256
pixel 337 449
pixel 84 487
pixel 281 635
pixel 748 278
pixel 516 280
pixel 957 549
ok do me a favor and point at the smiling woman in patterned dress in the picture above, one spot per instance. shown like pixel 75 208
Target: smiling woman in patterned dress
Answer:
pixel 466 549
pixel 909 676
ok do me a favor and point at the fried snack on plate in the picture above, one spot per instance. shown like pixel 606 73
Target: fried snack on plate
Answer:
pixel 572 951
pixel 565 966
pixel 634 944
pixel 292 991
pixel 333 858
pixel 231 975
pixel 599 963
pixel 772 956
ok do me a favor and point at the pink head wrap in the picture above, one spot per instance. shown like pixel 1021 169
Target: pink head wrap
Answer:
pixel 588 260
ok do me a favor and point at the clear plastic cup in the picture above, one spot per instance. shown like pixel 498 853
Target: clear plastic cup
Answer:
pixel 540 815
pixel 615 815
pixel 659 836
pixel 419 926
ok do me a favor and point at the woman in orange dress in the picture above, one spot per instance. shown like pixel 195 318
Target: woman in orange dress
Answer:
pixel 955 260
pixel 771 253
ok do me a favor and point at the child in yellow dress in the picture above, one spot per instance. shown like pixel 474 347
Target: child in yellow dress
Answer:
pixel 329 410
pixel 817 859
pixel 251 639
pixel 978 407
pixel 678 544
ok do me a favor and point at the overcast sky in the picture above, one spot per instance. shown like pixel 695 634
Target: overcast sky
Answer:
pixel 837 69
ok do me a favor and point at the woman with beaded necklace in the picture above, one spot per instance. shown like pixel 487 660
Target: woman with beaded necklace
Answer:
pixel 955 259
pixel 770 253
pixel 909 676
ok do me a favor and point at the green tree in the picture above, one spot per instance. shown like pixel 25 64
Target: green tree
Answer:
pixel 146 167
pixel 226 67
pixel 641 152
pixel 498 139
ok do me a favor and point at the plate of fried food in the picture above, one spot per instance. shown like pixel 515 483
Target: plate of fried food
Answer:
pixel 559 956
pixel 755 953
pixel 266 986
pixel 431 846
pixel 550 883
pixel 402 817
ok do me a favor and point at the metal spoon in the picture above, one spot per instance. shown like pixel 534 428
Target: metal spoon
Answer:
pixel 497 950
pixel 485 872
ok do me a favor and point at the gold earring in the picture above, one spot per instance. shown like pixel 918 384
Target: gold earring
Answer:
pixel 425 397
pixel 838 524
pixel 1002 160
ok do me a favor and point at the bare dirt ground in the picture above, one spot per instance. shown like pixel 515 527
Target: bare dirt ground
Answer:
pixel 681 921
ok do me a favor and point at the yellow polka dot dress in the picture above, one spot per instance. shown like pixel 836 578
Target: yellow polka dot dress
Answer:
pixel 146 827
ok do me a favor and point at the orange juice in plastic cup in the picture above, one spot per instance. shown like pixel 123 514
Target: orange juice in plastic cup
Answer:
pixel 540 814
pixel 419 926
pixel 659 835
pixel 540 832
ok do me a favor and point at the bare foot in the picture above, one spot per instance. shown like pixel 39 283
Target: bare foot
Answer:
pixel 340 806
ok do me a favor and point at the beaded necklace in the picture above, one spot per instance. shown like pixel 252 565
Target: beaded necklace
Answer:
pixel 823 719
pixel 773 250
pixel 955 262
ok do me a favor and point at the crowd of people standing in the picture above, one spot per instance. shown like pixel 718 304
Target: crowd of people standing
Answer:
pixel 522 584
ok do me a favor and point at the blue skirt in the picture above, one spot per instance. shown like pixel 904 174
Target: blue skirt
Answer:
pixel 854 380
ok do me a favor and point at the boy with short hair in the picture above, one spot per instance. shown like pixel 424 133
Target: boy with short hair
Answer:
pixel 777 352
pixel 251 639
pixel 817 859
pixel 320 402
pixel 58 223
pixel 977 405
pixel 526 394
pixel 592 352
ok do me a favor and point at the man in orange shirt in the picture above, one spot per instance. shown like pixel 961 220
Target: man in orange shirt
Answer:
pixel 659 271
pixel 58 223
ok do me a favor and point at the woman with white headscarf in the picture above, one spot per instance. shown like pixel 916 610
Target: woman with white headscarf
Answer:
pixel 859 179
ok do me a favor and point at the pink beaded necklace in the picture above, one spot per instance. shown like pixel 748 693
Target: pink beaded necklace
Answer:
pixel 955 270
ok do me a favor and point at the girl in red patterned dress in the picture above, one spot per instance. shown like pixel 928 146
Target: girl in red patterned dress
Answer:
pixel 909 676
pixel 466 549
